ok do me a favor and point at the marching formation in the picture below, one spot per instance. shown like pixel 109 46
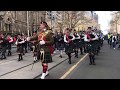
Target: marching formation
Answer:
pixel 44 43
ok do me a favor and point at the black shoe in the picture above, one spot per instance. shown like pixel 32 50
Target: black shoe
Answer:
pixel 90 63
pixel 35 61
pixel 94 63
pixel 18 59
pixel 76 56
pixel 69 62
pixel 4 58
pixel 82 54
pixel 60 56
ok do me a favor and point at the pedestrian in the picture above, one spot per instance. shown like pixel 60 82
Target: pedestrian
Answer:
pixel 114 39
pixel 45 40
pixel 108 37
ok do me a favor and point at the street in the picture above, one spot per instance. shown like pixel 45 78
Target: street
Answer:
pixel 107 67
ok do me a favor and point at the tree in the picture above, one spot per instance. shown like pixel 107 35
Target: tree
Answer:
pixel 72 19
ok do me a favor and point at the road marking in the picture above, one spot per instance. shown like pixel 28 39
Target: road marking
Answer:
pixel 73 67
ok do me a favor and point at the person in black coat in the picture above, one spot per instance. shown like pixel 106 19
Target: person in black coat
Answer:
pixel 3 42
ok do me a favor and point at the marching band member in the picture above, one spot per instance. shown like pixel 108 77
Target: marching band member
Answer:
pixel 19 42
pixel 68 39
pixel 82 43
pixel 34 46
pixel 10 40
pixel 3 42
pixel 89 39
pixel 76 43
pixel 46 41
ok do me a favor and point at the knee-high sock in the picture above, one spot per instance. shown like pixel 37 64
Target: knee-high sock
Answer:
pixel 45 67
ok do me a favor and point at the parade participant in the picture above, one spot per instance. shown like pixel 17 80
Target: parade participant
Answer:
pixel 34 46
pixel 76 43
pixel 45 40
pixel 19 43
pixel 89 39
pixel 60 39
pixel 3 42
pixel 25 44
pixel 10 40
pixel 68 39
pixel 82 43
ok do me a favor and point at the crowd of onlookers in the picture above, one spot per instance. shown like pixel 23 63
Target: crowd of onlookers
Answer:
pixel 113 40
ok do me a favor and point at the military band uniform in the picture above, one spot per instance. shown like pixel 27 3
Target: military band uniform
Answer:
pixel 76 43
pixel 90 46
pixel 47 46
pixel 19 42
pixel 68 39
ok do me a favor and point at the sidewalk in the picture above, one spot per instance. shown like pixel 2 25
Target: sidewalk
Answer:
pixel 27 73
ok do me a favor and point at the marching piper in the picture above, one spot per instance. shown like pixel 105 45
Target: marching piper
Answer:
pixel 45 39
pixel 68 39
pixel 90 37
pixel 19 42
pixel 76 43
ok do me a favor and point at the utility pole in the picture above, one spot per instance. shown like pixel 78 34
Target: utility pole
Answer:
pixel 28 23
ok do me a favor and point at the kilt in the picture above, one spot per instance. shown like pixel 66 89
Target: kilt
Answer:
pixel 9 46
pixel 20 49
pixel 47 57
pixel 76 44
pixel 68 48
pixel 90 48
pixel 60 46
pixel 3 50
pixel 81 44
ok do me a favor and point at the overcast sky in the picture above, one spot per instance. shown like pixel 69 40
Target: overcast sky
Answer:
pixel 104 19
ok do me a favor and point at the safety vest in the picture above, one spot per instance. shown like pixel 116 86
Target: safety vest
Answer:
pixel 108 36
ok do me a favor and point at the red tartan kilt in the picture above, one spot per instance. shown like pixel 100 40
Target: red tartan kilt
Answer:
pixel 51 49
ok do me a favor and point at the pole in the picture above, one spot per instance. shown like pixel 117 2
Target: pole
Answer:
pixel 28 22
pixel 51 19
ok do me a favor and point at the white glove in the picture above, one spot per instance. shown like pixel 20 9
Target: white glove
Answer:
pixel 16 43
pixel 28 38
pixel 42 42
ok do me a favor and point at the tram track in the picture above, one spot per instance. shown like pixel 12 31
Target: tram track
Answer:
pixel 19 67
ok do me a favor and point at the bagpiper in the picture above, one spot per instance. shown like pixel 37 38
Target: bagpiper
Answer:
pixel 19 42
pixel 68 39
pixel 76 43
pixel 82 42
pixel 46 41
pixel 90 37
pixel 34 46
